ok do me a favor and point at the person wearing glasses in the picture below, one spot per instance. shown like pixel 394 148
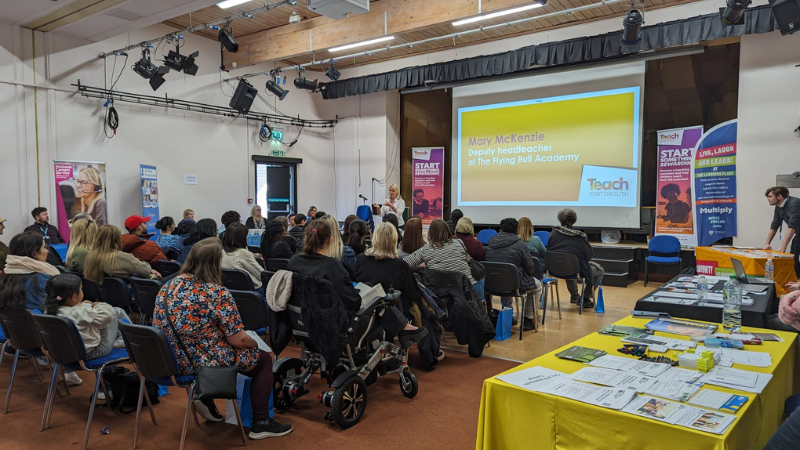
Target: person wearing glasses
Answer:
pixel 92 194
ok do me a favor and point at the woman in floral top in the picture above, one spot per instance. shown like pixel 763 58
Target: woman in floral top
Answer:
pixel 204 315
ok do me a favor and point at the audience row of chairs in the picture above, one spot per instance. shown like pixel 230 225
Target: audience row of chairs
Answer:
pixel 484 235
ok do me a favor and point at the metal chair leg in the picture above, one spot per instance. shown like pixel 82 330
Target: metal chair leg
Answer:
pixel 535 312
pixel 646 270
pixel 98 377
pixel 544 300
pixel 11 383
pixel 48 403
pixel 190 394
pixel 558 302
pixel 3 351
pixel 35 362
pixel 239 420
pixel 521 316
pixel 580 303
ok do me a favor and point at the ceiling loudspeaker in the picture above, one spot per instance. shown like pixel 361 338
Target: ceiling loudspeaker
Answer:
pixel 243 98
pixel 787 14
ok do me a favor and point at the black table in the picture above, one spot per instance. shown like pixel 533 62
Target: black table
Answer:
pixel 752 316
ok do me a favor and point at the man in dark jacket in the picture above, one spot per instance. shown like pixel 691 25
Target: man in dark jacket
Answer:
pixel 42 225
pixel 453 220
pixel 565 239
pixel 298 229
pixel 138 242
pixel 507 247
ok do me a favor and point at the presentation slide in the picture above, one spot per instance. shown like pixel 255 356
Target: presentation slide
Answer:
pixel 539 153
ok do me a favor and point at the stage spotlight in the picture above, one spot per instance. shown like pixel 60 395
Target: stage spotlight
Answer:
pixel 176 61
pixel 144 67
pixel 733 13
pixel 303 83
pixel 632 27
pixel 278 91
pixel 332 73
pixel 158 79
pixel 228 41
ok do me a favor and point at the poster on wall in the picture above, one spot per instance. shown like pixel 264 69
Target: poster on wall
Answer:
pixel 674 189
pixel 427 183
pixel 80 188
pixel 149 196
pixel 714 175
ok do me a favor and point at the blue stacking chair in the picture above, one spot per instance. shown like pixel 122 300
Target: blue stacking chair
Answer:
pixel 484 236
pixel 115 292
pixel 544 236
pixel 154 359
pixel 252 309
pixel 20 333
pixel 63 344
pixel 145 292
pixel 663 250
pixel 237 279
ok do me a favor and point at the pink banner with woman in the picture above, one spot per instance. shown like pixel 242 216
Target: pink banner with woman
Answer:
pixel 80 188
pixel 428 183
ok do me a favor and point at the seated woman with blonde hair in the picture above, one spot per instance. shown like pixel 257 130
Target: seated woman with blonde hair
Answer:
pixel 81 240
pixel 108 259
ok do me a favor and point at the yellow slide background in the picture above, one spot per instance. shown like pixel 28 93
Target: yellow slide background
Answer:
pixel 599 129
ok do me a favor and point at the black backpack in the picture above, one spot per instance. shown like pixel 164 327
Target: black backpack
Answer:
pixel 124 388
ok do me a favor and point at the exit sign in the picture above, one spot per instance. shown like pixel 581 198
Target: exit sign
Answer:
pixel 278 153
pixel 277 134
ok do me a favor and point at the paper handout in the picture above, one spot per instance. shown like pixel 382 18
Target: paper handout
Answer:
pixel 533 378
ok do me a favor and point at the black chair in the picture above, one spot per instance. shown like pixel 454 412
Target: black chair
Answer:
pixel 154 359
pixel 276 264
pixel 538 272
pixel 254 249
pixel 265 277
pixel 252 309
pixel 145 292
pixel 20 332
pixel 502 279
pixel 565 266
pixel 167 268
pixel 115 292
pixel 237 279
pixel 90 291
pixel 172 254
pixel 64 346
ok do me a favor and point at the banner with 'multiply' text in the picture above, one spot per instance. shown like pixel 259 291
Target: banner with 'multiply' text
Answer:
pixel 428 183
pixel 714 175
pixel 674 206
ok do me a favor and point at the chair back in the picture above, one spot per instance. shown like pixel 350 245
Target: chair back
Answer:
pixel 276 264
pixel 563 265
pixel 543 236
pixel 254 249
pixel 115 292
pixel 90 291
pixel 364 212
pixel 484 236
pixel 61 339
pixel 664 246
pixel 237 279
pixel 252 309
pixel 538 272
pixel 150 350
pixel 171 253
pixel 265 277
pixel 18 326
pixel 145 292
pixel 167 268
pixel 501 278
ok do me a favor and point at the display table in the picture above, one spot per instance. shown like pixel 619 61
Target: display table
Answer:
pixel 515 418
pixel 717 261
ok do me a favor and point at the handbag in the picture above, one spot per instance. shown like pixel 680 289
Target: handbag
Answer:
pixel 476 268
pixel 210 382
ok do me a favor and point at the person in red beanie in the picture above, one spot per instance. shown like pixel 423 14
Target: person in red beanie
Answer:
pixel 138 243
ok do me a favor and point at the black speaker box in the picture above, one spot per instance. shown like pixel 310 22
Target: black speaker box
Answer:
pixel 787 14
pixel 243 97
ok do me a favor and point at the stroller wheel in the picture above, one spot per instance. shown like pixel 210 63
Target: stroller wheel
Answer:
pixel 284 372
pixel 349 402
pixel 408 383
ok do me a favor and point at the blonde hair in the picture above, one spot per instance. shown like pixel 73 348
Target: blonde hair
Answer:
pixel 204 262
pixel 82 234
pixel 396 188
pixel 103 254
pixel 337 246
pixel 384 242
pixel 464 226
pixel 186 213
pixel 253 212
pixel 525 229
pixel 94 177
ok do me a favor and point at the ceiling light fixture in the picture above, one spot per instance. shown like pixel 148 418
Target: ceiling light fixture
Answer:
pixel 274 85
pixel 179 62
pixel 231 3
pixel 733 13
pixel 149 71
pixel 632 27
pixel 535 5
pixel 359 44
pixel 228 41
pixel 332 73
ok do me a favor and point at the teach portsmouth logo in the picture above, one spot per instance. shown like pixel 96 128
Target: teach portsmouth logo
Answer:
pixel 608 186
pixel 670 137
pixel 424 154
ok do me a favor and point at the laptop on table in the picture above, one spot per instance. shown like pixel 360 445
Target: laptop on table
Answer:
pixel 749 284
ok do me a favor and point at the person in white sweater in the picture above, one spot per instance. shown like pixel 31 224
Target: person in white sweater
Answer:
pixel 236 255
pixel 98 322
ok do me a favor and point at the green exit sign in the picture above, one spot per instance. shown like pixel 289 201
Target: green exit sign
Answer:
pixel 277 134
pixel 278 153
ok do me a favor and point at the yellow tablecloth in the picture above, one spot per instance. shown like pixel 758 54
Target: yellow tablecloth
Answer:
pixel 515 418
pixel 717 261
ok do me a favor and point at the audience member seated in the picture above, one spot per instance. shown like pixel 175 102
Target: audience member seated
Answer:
pixel 237 256
pixel 338 250
pixel 168 240
pixel 392 219
pixel 455 216
pixel 255 221
pixel 3 246
pixel 26 274
pixel 506 247
pixel 290 219
pixel 196 303
pixel 188 214
pixel 97 322
pixel 291 241
pixel 312 211
pixel 413 237
pixel 203 229
pixel 228 218
pixel 184 228
pixel 359 232
pixel 81 240
pixel 273 244
pixel 50 232
pixel 320 215
pixel 465 231
pixel 566 239
pixel 108 259
pixel 525 232
pixel 298 230
pixel 346 228
pixel 137 242
pixel 441 252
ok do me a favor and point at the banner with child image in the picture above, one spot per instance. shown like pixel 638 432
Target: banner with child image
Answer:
pixel 149 177
pixel 674 190
pixel 80 188
pixel 714 175
pixel 427 184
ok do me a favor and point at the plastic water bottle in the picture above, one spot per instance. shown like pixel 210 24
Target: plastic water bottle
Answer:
pixel 702 290
pixel 732 305
pixel 769 270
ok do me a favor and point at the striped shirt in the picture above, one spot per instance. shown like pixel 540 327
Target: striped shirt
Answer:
pixel 452 257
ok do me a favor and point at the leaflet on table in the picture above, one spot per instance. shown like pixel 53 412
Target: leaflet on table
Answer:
pixel 580 354
pixel 684 375
pixel 724 401
pixel 742 380
pixel 613 378
pixel 533 378
pixel 645 368
pixel 672 343
pixel 674 390
pixel 613 398
pixel 678 414
pixel 621 330
pixel 686 297
pixel 680 326
pixel 736 356
pixel 768 337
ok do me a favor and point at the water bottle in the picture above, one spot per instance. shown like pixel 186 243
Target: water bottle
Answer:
pixel 732 305
pixel 769 270
pixel 702 290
